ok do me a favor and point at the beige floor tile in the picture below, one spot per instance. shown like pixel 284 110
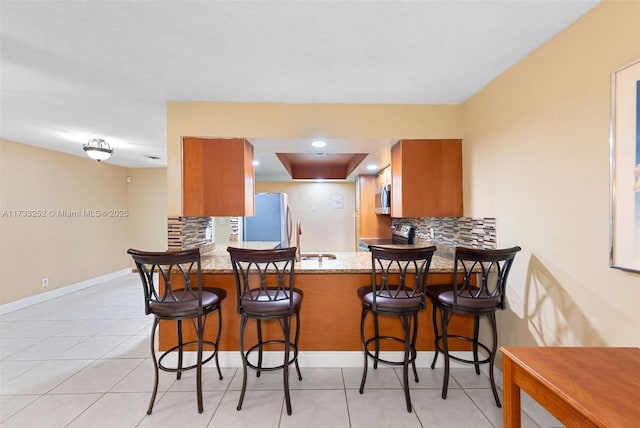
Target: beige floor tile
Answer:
pixel 483 398
pixel 382 377
pixel 180 409
pixel 428 379
pixel 12 369
pixel 12 404
pixel 317 409
pixel 47 349
pixel 317 378
pixel 210 380
pixel 141 379
pixel 380 408
pixel 98 377
pixel 130 347
pixel 51 411
pixel 260 409
pixel 44 377
pixel 268 380
pixel 92 347
pixel 457 411
pixel 120 410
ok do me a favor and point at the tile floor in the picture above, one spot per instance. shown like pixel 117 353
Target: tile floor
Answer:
pixel 82 360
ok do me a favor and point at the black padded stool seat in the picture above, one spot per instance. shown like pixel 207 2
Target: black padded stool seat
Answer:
pixel 189 307
pixel 480 293
pixel 398 281
pixel 269 304
pixel 179 296
pixel 265 291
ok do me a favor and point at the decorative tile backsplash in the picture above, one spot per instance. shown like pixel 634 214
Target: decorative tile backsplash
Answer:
pixel 454 231
pixel 189 232
pixel 448 232
pixel 234 224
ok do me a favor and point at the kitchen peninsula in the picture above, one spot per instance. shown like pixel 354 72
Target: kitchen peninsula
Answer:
pixel 330 314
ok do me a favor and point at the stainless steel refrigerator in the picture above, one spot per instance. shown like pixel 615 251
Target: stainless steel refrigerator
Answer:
pixel 272 221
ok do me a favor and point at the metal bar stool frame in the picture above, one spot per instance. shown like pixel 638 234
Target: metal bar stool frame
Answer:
pixel 403 299
pixel 166 301
pixel 480 298
pixel 262 299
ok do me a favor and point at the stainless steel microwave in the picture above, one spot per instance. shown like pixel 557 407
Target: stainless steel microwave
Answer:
pixel 383 199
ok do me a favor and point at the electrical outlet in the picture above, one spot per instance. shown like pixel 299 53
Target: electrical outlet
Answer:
pixel 45 282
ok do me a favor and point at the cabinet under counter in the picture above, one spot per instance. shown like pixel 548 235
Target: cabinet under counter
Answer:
pixel 330 313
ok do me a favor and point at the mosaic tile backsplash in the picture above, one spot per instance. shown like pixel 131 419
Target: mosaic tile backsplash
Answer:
pixel 454 231
pixel 448 232
pixel 189 232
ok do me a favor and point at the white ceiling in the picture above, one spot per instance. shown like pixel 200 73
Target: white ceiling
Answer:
pixel 75 70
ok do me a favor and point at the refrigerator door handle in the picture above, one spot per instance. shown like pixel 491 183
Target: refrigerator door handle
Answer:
pixel 289 225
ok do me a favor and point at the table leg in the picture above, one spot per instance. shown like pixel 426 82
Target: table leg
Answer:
pixel 511 395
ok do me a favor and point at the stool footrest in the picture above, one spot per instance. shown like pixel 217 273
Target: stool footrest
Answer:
pixel 412 351
pixel 293 355
pixel 460 359
pixel 195 342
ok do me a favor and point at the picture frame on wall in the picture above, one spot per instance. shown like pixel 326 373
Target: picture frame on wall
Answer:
pixel 625 168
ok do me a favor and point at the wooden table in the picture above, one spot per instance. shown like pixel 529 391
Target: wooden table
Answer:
pixel 582 387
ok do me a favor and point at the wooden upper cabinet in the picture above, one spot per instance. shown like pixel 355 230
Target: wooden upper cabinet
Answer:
pixel 426 178
pixel 217 177
pixel 384 177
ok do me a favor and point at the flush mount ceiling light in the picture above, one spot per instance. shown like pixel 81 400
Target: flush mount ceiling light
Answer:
pixel 319 144
pixel 98 149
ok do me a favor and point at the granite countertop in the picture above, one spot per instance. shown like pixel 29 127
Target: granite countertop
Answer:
pixel 345 262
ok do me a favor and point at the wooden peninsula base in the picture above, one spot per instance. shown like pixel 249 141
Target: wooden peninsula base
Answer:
pixel 330 315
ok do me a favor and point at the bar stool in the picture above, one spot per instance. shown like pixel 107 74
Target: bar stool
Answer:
pixel 398 282
pixel 480 294
pixel 179 296
pixel 265 291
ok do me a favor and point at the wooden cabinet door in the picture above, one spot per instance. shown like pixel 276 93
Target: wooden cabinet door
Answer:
pixel 426 178
pixel 217 177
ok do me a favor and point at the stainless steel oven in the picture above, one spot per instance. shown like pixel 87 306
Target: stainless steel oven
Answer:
pixel 403 234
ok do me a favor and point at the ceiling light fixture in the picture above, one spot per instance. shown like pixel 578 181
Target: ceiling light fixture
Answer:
pixel 319 144
pixel 255 163
pixel 372 167
pixel 98 149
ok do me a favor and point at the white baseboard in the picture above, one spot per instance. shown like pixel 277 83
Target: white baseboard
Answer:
pixel 326 359
pixel 48 295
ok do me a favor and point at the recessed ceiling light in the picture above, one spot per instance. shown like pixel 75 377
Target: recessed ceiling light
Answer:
pixel 255 163
pixel 372 167
pixel 319 144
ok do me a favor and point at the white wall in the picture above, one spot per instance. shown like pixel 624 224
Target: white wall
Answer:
pixel 327 228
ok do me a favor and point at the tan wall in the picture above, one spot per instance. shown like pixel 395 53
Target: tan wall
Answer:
pixel 207 119
pixel 536 157
pixel 147 201
pixel 68 250
pixel 326 228
pixel 64 249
